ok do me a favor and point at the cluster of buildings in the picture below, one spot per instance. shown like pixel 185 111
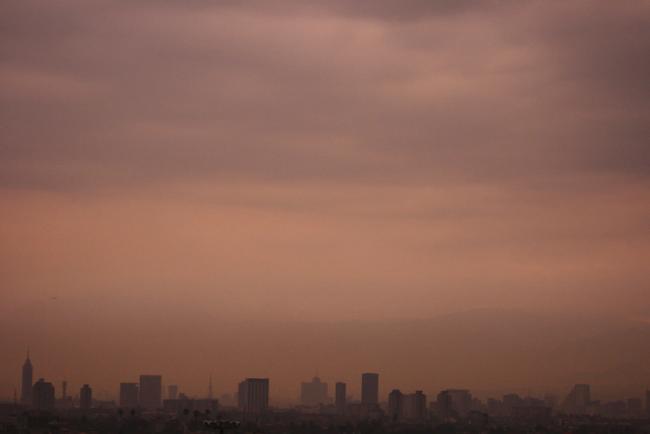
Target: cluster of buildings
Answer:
pixel 40 394
pixel 253 400
pixel 143 395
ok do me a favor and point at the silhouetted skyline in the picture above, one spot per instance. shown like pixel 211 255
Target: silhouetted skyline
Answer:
pixel 452 194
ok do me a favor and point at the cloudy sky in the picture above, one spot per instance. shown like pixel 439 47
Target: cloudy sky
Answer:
pixel 322 161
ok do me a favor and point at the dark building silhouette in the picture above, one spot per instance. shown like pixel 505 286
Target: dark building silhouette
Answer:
pixel 414 406
pixel 254 395
pixel 43 395
pixel 395 405
pixel 27 382
pixel 150 391
pixel 647 403
pixel 129 395
pixel 341 397
pixel 369 388
pixel 411 407
pixel 314 392
pixel 85 397
pixel 172 391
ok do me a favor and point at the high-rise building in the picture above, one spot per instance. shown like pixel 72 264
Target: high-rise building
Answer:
pixel 129 395
pixel 150 391
pixel 43 395
pixel 314 392
pixel 172 391
pixel 341 398
pixel 647 402
pixel 369 388
pixel 410 407
pixel 254 395
pixel 85 397
pixel 414 406
pixel 395 404
pixel 27 382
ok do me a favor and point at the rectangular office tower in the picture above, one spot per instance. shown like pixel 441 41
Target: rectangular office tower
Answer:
pixel 313 393
pixel 340 398
pixel 254 395
pixel 150 392
pixel 369 388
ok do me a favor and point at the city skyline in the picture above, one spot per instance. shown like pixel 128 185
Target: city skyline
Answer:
pixel 465 362
pixel 152 391
pixel 252 402
pixel 278 197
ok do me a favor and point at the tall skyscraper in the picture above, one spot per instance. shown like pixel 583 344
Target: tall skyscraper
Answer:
pixel 314 392
pixel 150 391
pixel 43 395
pixel 369 388
pixel 27 382
pixel 341 398
pixel 172 391
pixel 129 395
pixel 254 395
pixel 85 397
pixel 647 403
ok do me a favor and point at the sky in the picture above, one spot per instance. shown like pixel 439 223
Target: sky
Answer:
pixel 227 169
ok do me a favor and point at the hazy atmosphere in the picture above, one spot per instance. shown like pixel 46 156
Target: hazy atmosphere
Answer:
pixel 451 193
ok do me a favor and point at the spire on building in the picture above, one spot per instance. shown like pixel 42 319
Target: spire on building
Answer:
pixel 26 381
pixel 210 388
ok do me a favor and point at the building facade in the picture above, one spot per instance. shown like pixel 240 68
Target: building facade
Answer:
pixel 150 392
pixel 369 388
pixel 415 406
pixel 129 395
pixel 395 405
pixel 313 393
pixel 43 395
pixel 254 395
